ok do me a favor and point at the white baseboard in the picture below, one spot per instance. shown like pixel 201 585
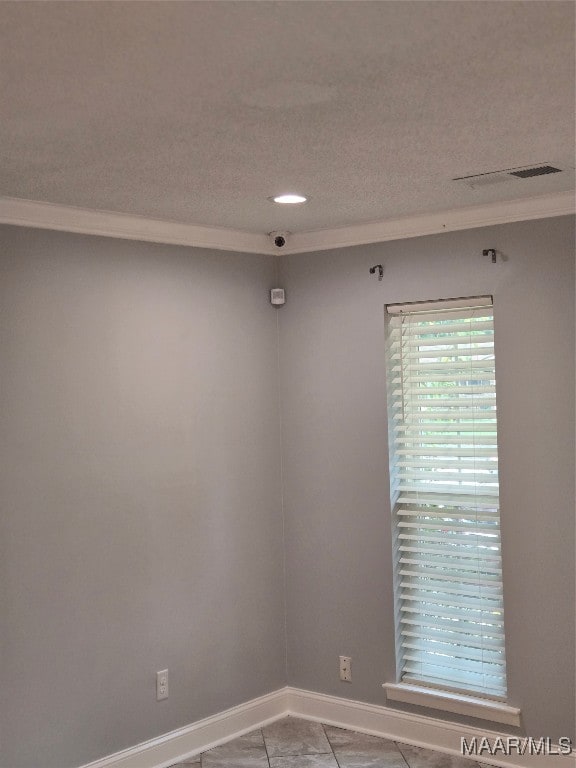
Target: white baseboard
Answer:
pixel 204 734
pixel 417 730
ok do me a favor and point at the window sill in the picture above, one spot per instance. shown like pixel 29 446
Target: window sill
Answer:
pixel 458 703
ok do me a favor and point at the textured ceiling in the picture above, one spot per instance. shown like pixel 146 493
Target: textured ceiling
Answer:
pixel 198 111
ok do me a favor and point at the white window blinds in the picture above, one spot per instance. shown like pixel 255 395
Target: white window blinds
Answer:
pixel 444 490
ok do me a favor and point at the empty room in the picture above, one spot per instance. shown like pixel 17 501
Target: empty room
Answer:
pixel 287 384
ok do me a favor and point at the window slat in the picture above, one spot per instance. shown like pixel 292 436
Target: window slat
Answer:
pixel 445 496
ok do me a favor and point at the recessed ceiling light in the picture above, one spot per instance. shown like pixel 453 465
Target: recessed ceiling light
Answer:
pixel 288 199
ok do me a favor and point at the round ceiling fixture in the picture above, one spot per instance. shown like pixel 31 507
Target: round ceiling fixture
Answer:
pixel 290 199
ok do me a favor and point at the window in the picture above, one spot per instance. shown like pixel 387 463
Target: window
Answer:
pixel 444 492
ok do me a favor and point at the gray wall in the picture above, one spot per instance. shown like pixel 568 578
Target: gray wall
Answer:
pixel 141 523
pixel 339 593
pixel 139 459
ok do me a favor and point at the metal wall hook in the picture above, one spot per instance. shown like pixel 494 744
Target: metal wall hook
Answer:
pixel 380 269
pixel 490 252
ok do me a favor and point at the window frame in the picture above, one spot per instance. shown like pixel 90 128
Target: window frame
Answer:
pixel 443 691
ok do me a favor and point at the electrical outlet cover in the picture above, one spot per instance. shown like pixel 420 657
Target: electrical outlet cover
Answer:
pixel 162 685
pixel 346 669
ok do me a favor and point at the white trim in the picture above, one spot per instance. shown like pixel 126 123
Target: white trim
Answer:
pixel 30 213
pixel 409 728
pixel 378 720
pixel 186 742
pixel 416 307
pixel 558 204
pixel 459 704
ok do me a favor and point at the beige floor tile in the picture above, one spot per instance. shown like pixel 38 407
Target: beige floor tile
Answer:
pixel 292 736
pixel 359 750
pixel 304 761
pixel 417 757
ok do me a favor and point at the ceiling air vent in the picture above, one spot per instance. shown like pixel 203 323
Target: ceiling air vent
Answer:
pixel 539 170
pixel 508 174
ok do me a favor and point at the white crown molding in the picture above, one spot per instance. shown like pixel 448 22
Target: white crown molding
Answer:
pixel 29 213
pixel 558 204
pixel 377 720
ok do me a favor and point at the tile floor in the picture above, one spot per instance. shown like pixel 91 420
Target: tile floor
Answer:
pixel 295 743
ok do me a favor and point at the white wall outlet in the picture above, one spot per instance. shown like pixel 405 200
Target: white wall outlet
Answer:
pixel 162 685
pixel 346 669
